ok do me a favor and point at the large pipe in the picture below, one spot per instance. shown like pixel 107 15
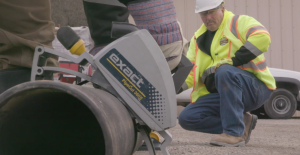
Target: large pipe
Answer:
pixel 46 117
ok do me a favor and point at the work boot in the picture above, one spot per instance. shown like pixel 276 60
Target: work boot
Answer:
pixel 227 140
pixel 250 122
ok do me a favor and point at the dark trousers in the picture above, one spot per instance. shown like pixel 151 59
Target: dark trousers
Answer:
pixel 239 91
pixel 100 16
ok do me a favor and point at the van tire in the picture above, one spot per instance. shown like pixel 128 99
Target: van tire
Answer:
pixel 281 105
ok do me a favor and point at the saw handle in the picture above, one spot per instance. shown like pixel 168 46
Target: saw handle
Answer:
pixel 70 40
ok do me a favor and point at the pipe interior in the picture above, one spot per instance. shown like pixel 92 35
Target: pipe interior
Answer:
pixel 48 121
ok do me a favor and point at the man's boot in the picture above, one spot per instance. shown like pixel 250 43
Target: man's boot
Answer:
pixel 227 140
pixel 250 123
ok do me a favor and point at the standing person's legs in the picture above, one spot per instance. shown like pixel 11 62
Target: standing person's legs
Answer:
pixel 24 25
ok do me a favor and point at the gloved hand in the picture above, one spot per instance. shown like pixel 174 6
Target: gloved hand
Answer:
pixel 224 61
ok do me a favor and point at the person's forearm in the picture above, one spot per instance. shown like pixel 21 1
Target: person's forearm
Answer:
pixel 243 56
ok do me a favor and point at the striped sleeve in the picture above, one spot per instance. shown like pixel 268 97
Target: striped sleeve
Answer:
pixel 254 35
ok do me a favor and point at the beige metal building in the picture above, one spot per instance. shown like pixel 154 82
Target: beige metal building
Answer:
pixel 280 17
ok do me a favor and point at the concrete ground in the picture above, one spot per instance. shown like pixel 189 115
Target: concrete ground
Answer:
pixel 270 137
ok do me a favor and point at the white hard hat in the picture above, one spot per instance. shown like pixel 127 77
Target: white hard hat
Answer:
pixel 204 5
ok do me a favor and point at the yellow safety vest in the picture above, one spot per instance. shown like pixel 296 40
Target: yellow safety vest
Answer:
pixel 234 32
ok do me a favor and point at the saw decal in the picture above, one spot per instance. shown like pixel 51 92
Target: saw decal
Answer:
pixel 136 84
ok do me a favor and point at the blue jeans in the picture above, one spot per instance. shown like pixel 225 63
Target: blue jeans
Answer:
pixel 239 91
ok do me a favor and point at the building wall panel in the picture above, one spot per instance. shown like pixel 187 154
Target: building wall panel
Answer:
pixel 240 7
pixel 191 19
pixel 287 44
pixel 252 8
pixel 275 31
pixel 296 34
pixel 230 5
pixel 264 18
pixel 181 13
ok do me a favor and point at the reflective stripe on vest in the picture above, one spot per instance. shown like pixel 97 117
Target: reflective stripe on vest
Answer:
pixel 253 49
pixel 260 66
pixel 253 29
pixel 233 27
pixel 207 72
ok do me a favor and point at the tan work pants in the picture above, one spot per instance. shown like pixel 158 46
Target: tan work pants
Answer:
pixel 24 24
pixel 175 49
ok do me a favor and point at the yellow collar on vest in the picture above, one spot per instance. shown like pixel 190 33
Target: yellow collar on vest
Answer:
pixel 203 28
